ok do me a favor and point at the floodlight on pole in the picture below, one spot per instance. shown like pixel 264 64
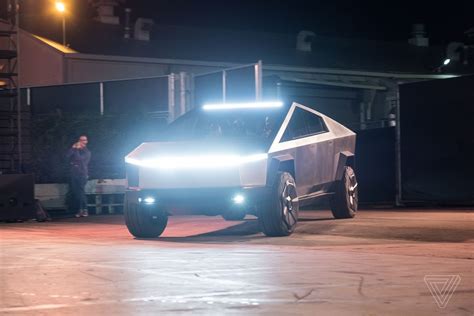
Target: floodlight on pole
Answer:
pixel 61 8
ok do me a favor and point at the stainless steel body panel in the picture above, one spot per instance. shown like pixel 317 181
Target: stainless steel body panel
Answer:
pixel 202 165
pixel 316 156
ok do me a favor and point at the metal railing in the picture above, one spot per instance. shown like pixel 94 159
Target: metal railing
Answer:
pixel 240 83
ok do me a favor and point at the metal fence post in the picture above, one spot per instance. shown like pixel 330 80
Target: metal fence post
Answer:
pixel 224 86
pixel 171 97
pixel 101 97
pixel 278 90
pixel 191 92
pixel 258 81
pixel 28 96
pixel 182 93
pixel 398 155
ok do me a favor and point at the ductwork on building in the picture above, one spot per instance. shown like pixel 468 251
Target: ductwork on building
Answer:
pixel 418 36
pixel 143 29
pixel 106 10
pixel 454 51
pixel 304 41
pixel 127 28
pixel 460 52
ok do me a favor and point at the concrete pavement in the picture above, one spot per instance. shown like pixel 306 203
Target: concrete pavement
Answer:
pixel 372 265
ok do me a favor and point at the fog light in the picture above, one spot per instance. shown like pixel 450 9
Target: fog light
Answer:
pixel 238 199
pixel 149 200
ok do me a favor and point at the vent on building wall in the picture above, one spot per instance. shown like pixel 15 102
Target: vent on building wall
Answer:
pixel 106 10
pixel 304 41
pixel 418 36
pixel 142 29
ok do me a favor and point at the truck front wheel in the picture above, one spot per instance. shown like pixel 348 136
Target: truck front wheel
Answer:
pixel 279 215
pixel 143 221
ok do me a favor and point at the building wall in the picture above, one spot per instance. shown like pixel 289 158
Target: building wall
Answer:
pixel 40 64
pixel 82 70
pixel 86 68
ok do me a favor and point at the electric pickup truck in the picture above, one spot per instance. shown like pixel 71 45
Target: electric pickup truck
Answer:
pixel 235 159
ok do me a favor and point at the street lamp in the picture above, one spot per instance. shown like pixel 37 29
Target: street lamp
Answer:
pixel 61 8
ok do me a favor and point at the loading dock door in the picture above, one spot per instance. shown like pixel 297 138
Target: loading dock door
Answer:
pixel 437 141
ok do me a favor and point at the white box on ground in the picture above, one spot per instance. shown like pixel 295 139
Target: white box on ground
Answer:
pixel 53 195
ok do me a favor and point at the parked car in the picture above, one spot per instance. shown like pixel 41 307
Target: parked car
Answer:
pixel 266 159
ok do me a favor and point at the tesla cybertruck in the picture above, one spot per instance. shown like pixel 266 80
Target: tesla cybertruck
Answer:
pixel 265 159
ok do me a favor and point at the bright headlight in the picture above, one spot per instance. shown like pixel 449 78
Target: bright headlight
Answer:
pixel 238 199
pixel 149 200
pixel 195 162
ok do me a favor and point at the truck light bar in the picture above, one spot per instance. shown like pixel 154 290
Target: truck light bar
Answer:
pixel 195 162
pixel 250 105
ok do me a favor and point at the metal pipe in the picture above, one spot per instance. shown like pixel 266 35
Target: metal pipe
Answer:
pixel 86 82
pixel 336 84
pixel 370 104
pixel 356 72
pixel 227 66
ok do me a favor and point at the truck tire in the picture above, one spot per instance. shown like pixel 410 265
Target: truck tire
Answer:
pixel 344 202
pixel 279 215
pixel 144 222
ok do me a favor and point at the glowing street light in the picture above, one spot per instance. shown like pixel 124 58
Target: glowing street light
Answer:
pixel 61 8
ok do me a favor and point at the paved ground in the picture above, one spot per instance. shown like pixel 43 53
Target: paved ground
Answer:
pixel 372 265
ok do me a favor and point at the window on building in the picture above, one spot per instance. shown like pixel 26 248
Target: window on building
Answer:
pixel 302 124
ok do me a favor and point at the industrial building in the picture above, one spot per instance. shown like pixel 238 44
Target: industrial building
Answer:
pixel 131 64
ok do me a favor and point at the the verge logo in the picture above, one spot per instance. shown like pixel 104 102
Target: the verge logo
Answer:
pixel 442 287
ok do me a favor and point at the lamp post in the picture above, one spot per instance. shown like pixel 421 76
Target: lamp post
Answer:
pixel 61 8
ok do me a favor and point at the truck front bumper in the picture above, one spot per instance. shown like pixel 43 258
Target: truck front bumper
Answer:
pixel 205 201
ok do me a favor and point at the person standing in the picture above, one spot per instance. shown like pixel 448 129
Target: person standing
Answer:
pixel 79 157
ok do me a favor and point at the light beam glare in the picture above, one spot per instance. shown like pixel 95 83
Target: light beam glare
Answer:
pixel 195 162
pixel 250 105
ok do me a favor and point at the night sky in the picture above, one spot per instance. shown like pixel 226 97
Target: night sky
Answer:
pixel 385 20
pixel 380 20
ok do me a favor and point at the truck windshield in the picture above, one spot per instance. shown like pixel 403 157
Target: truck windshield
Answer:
pixel 199 124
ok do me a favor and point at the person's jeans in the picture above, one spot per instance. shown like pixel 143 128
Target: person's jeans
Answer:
pixel 79 201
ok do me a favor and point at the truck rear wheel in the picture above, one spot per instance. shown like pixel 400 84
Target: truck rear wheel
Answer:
pixel 144 221
pixel 344 203
pixel 279 215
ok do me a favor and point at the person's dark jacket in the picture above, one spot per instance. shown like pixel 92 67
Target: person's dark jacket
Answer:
pixel 79 160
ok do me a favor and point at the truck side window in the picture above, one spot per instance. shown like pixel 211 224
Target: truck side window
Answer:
pixel 303 124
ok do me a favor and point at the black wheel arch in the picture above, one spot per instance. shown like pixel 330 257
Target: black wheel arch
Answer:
pixel 345 159
pixel 282 163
